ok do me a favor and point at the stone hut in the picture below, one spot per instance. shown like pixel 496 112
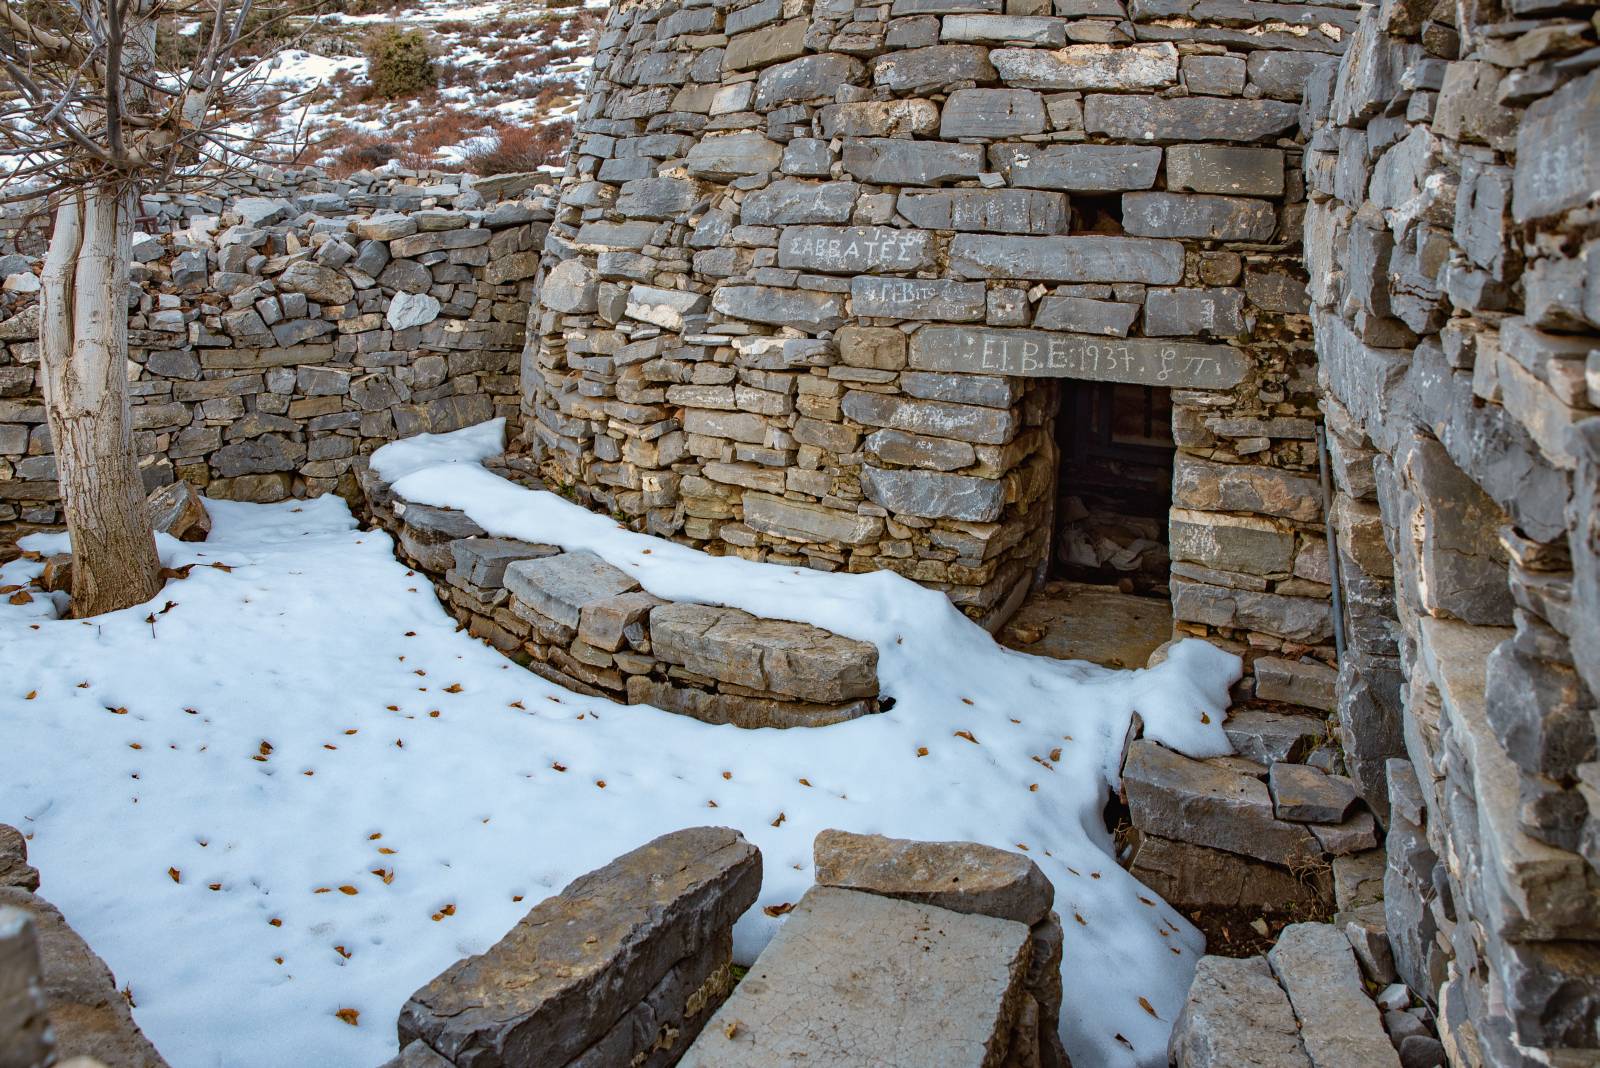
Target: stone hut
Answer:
pixel 952 287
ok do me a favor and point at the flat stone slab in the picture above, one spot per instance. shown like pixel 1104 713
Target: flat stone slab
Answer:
pixel 750 713
pixel 1094 623
pixel 1198 877
pixel 577 962
pixel 483 561
pixel 1175 797
pixel 1339 1023
pixel 772 655
pixel 560 586
pixel 1237 1016
pixel 1305 795
pixel 1270 737
pixel 855 980
pixel 959 876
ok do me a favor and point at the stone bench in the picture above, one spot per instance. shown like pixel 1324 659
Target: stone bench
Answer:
pixel 623 967
pixel 587 626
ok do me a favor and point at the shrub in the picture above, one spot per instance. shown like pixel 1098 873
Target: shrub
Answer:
pixel 522 148
pixel 399 63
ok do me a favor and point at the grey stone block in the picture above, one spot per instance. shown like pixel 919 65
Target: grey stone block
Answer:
pixel 845 961
pixel 895 161
pixel 773 656
pixel 577 962
pixel 1078 168
pixel 991 114
pixel 1223 169
pixel 934 495
pixel 1339 1024
pixel 482 561
pixel 1269 737
pixel 558 587
pixel 1198 216
pixel 854 249
pixel 1067 259
pixel 1140 118
pixel 917 298
pixel 1080 315
pixel 1191 876
pixel 789 201
pixel 1236 1015
pixel 989 211
pixel 809 78
pixel 1194 312
pixel 928 68
pixel 1089 66
pixel 960 876
pixel 806 309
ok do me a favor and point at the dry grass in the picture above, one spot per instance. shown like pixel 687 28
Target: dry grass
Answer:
pixel 522 148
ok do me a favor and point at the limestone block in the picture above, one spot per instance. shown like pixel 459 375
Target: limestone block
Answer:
pixel 880 118
pixel 1175 797
pixel 979 425
pixel 1296 618
pixel 732 156
pixel 790 201
pixel 1067 259
pixel 808 78
pixel 482 561
pixel 1003 29
pixel 917 298
pixel 1209 486
pixel 1006 211
pixel 749 713
pixel 934 495
pixel 927 68
pixel 321 284
pixel 854 249
pixel 579 961
pixel 657 198
pixel 1269 737
pixel 1081 315
pixel 896 161
pixel 1198 877
pixel 177 509
pixel 1230 543
pixel 916 450
pixel 769 45
pixel 1236 1015
pixel 991 113
pixel 1339 1024
pixel 14 867
pixel 1558 151
pixel 806 522
pixel 960 876
pixel 1223 169
pixel 25 1034
pixel 1089 66
pixel 1303 794
pixel 844 961
pixel 559 587
pixel 1198 216
pixel 802 308
pixel 1299 682
pixel 1194 312
pixel 774 656
pixel 1142 118
pixel 1077 168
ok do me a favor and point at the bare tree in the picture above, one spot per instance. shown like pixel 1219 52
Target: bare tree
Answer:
pixel 91 118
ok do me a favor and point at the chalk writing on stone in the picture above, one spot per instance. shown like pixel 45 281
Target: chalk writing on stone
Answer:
pixel 854 249
pixel 1044 354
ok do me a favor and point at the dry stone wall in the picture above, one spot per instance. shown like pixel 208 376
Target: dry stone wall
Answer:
pixel 818 268
pixel 288 323
pixel 1453 244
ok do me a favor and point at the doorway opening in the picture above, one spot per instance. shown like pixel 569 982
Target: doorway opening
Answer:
pixel 1114 486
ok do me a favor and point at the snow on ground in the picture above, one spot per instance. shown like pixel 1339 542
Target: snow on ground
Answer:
pixel 288 786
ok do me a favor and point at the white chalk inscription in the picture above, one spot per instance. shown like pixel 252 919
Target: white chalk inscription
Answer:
pixel 1046 354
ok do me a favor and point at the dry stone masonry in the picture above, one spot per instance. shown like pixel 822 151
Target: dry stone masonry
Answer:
pixel 280 329
pixel 822 272
pixel 1453 247
pixel 586 625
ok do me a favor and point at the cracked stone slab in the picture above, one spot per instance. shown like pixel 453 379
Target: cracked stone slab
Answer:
pixel 560 586
pixel 1237 1016
pixel 1339 1024
pixel 855 980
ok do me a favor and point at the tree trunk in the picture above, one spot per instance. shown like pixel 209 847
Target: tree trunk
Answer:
pixel 83 334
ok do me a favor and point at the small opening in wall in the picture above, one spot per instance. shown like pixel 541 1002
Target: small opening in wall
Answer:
pixel 1096 214
pixel 1115 486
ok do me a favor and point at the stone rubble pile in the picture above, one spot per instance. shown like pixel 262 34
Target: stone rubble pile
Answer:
pixel 586 625
pixel 818 266
pixel 1453 243
pixel 58 1000
pixel 279 333
pixel 1264 831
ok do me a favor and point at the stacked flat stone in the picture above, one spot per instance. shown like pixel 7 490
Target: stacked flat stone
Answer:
pixel 1451 240
pixel 277 337
pixel 588 626
pixel 817 266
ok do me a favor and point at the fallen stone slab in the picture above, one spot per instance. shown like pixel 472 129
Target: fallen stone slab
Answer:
pixel 1354 835
pixel 959 876
pixel 1175 797
pixel 1271 737
pixel 1237 1016
pixel 426 533
pixel 578 962
pixel 1339 1025
pixel 1191 876
pixel 1304 794
pixel 854 980
pixel 177 509
pixel 771 655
